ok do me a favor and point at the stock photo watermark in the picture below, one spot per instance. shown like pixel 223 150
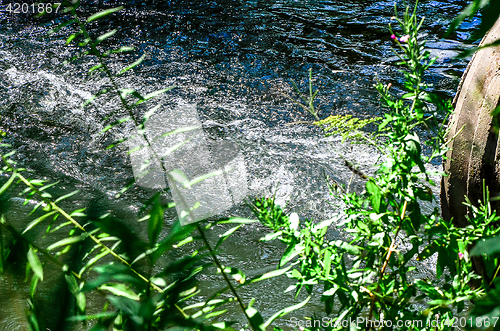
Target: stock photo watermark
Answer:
pixel 363 322
pixel 206 177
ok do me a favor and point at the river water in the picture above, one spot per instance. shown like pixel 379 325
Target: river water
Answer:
pixel 232 61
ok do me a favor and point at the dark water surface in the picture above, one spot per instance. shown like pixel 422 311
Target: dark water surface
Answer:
pixel 234 60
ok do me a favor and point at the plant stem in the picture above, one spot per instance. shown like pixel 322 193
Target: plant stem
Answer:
pixel 213 254
pixel 76 224
pixel 386 262
pixel 200 230
pixel 17 235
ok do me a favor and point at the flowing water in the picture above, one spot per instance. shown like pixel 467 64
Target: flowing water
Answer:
pixel 232 60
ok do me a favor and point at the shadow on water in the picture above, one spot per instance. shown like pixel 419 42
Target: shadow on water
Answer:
pixel 233 59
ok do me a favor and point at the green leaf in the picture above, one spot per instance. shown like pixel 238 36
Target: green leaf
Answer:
pixel 215 313
pixel 120 290
pixel 81 301
pixel 133 65
pixel 428 251
pixel 177 233
pixel 35 322
pixel 72 37
pixel 80 318
pixel 62 25
pixel 331 291
pixel 112 272
pixel 226 235
pixel 93 261
pixel 92 98
pixel 49 185
pixel 487 246
pixel 105 36
pixel 130 243
pixel 117 142
pixel 78 213
pixel 255 318
pixel 179 176
pixel 291 251
pixel 103 13
pixel 327 262
pixel 237 274
pixel 324 224
pixel 173 148
pixel 489 15
pixel 237 220
pixel 210 302
pixel 149 113
pixel 39 220
pixel 126 91
pixel 328 296
pixel 296 274
pixel 375 195
pixel 428 289
pixel 201 178
pixel 412 145
pixel 41 203
pixel 65 242
pixel 155 223
pixel 183 242
pixel 9 182
pixel 104 324
pixel 128 306
pixel 2 254
pixel 181 130
pixel 470 10
pixel 470 51
pixel 61 198
pixel 351 249
pixel 123 49
pixel 126 187
pixel 35 263
pixel 445 259
pixel 226 326
pixel 271 236
pixel 285 311
pixel 270 274
pixel 153 94
pixel 97 66
pixel 33 285
pixel 85 42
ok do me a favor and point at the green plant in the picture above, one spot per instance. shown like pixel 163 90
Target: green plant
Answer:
pixel 368 277
pixel 347 126
pixel 308 99
pixel 136 296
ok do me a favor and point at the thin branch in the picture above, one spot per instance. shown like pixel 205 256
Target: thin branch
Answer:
pixel 132 115
pixel 391 249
